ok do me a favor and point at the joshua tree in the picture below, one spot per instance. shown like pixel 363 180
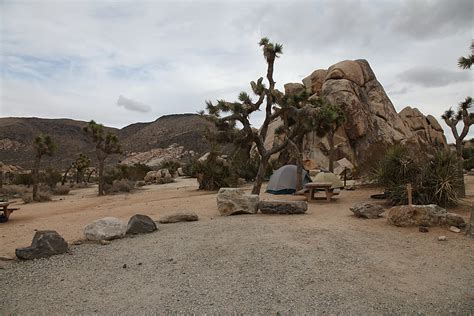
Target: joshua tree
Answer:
pixel 43 145
pixel 81 164
pixel 452 119
pixel 466 62
pixel 240 111
pixel 333 118
pixel 105 145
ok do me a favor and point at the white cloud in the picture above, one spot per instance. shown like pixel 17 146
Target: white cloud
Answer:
pixel 69 59
pixel 133 105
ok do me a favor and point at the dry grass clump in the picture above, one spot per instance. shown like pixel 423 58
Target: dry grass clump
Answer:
pixel 61 190
pixel 122 185
pixel 43 196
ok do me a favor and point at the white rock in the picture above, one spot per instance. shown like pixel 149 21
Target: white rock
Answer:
pixel 180 172
pixel 454 229
pixel 105 229
pixel 442 238
pixel 235 201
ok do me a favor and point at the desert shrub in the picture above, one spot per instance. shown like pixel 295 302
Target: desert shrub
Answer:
pixel 23 179
pixel 468 164
pixel 119 186
pixel 43 196
pixel 50 177
pixel 12 191
pixel 244 166
pixel 135 172
pixel 140 183
pixel 171 164
pixel 79 185
pixel 164 180
pixel 191 167
pixel 61 190
pixel 214 173
pixel 433 177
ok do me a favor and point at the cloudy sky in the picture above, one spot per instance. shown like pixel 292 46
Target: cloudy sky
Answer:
pixel 121 62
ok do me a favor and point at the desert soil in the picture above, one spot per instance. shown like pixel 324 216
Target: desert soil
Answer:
pixel 325 261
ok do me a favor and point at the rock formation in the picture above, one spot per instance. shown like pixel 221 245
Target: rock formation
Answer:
pixel 372 122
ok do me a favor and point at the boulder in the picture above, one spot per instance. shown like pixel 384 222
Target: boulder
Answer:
pixel 46 243
pixel 150 177
pixel 106 228
pixel 294 88
pixel 423 215
pixel 367 210
pixel 165 173
pixel 372 123
pixel 235 201
pixel 179 217
pixel 181 172
pixel 140 224
pixel 283 207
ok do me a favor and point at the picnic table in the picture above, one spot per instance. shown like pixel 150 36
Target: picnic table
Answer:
pixel 7 211
pixel 314 187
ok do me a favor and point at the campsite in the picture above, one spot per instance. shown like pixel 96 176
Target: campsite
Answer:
pixel 325 260
pixel 236 158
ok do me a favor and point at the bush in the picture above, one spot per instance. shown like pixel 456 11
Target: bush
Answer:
pixel 120 186
pixel 42 197
pixel 433 178
pixel 214 173
pixel 50 177
pixel 61 190
pixel 12 191
pixel 244 166
pixel 23 179
pixel 171 164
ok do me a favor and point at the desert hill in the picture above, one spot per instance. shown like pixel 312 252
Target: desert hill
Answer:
pixel 17 135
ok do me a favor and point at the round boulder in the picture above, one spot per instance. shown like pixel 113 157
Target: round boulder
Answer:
pixel 141 224
pixel 106 228
pixel 46 243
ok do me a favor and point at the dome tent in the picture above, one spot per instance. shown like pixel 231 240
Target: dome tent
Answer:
pixel 283 180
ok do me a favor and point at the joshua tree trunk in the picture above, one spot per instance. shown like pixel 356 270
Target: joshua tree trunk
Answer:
pixel 298 146
pixel 470 225
pixel 101 177
pixel 89 176
pixel 260 175
pixel 461 190
pixel 35 175
pixel 331 150
pixel 63 181
pixel 1 179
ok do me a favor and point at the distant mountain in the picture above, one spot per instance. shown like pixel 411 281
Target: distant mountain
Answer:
pixel 17 135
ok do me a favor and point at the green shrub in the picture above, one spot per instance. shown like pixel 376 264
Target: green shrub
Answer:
pixel 61 190
pixel 171 164
pixel 50 177
pixel 191 167
pixel 433 178
pixel 23 179
pixel 43 196
pixel 214 173
pixel 244 166
pixel 119 186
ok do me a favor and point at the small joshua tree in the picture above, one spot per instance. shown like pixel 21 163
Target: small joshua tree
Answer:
pixel 105 145
pixel 333 117
pixel 43 145
pixel 81 164
pixel 466 62
pixel 452 119
pixel 240 111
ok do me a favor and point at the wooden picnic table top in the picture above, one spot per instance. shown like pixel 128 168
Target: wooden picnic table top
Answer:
pixel 318 185
pixel 3 204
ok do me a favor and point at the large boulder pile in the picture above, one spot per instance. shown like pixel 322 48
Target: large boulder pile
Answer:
pixel 46 243
pixel 423 215
pixel 372 123
pixel 231 201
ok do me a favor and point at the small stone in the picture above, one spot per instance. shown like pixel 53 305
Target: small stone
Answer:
pixel 179 217
pixel 77 242
pixel 442 238
pixel 423 229
pixel 124 266
pixel 105 242
pixel 454 229
pixel 139 264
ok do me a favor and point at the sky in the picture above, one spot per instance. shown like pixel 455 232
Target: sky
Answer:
pixel 121 62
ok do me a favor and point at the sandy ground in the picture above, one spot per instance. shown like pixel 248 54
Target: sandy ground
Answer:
pixel 324 261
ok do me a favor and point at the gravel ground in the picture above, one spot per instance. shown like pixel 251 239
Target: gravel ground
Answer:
pixel 253 264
